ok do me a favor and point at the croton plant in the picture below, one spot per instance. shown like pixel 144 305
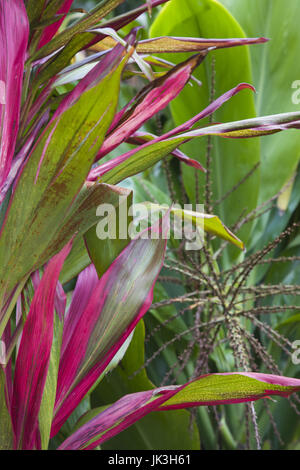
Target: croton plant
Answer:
pixel 57 165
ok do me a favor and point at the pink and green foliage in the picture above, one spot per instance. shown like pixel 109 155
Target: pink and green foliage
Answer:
pixel 52 179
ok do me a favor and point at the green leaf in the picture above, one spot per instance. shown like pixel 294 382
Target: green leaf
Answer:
pixel 164 430
pixel 275 69
pixel 48 400
pixel 6 434
pixel 231 159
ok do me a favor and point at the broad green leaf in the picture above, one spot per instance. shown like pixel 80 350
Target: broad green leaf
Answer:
pixel 155 431
pixel 232 160
pixel 6 434
pixel 276 71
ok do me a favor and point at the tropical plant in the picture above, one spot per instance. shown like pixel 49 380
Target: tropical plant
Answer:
pixel 216 310
pixel 53 133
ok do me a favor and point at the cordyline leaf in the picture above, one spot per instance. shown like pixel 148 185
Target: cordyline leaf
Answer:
pixel 22 154
pixel 105 317
pixel 211 389
pixel 147 155
pixel 6 434
pixel 83 215
pixel 152 99
pixel 111 246
pixel 84 40
pixel 35 9
pixel 14 30
pixel 207 222
pixel 82 219
pixel 140 138
pixel 144 157
pixel 56 169
pixel 76 262
pixel 119 22
pixel 33 356
pixel 49 393
pixel 51 30
pixel 153 432
pixel 89 20
pixel 171 44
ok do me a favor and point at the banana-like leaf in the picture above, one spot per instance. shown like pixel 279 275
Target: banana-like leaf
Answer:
pixel 14 30
pixel 46 189
pixel 34 355
pixel 105 316
pixel 210 389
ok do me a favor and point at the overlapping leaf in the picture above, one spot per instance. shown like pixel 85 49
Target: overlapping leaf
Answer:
pixel 34 355
pixel 14 30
